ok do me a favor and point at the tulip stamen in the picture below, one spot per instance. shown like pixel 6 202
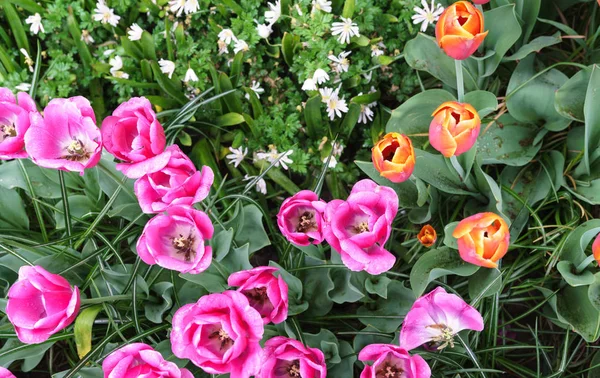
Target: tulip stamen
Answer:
pixel 184 245
pixel 76 151
pixel 223 337
pixel 306 222
pixel 445 338
pixel 256 296
pixel 361 227
pixel 8 130
pixel 294 370
pixel 389 371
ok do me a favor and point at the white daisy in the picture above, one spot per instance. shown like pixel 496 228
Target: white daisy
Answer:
pixel 336 106
pixel 191 6
pixel 86 37
pixel 105 14
pixel 24 87
pixel 226 35
pixel 320 76
pixel 190 75
pixel 256 88
pixel 327 93
pixel 237 155
pixel 261 185
pixel 273 157
pixel 28 59
pixel 272 15
pixel 177 6
pixel 222 47
pixel 332 162
pixel 36 23
pixel 116 64
pixel 264 31
pixel 366 114
pixel 309 85
pixel 322 5
pixel 341 63
pixel 240 45
pixel 427 15
pixel 135 33
pixel 346 30
pixel 167 67
pixel 285 160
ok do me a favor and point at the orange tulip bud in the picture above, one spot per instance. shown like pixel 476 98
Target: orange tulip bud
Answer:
pixel 596 245
pixel 454 128
pixel 394 157
pixel 427 236
pixel 483 239
pixel 459 31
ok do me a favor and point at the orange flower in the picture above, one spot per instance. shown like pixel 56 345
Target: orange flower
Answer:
pixel 596 245
pixel 459 31
pixel 483 239
pixel 394 157
pixel 427 236
pixel 454 128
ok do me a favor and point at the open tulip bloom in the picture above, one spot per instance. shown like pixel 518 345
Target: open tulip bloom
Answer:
pixel 392 361
pixel 300 218
pixel 14 123
pixel 289 358
pixel 140 360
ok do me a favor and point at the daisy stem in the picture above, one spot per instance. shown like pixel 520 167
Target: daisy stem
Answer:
pixel 460 85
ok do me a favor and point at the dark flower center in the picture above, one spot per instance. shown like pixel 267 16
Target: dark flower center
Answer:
pixel 306 222
pixel 223 337
pixel 258 295
pixel 76 151
pixel 185 246
pixel 294 369
pixel 8 130
pixel 389 152
pixel 389 371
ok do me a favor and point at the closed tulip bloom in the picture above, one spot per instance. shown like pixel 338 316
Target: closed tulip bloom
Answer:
pixel 40 304
pixel 454 129
pixel 392 361
pixel 435 318
pixel 288 358
pixel 596 245
pixel 140 360
pixel 394 157
pixel 459 30
pixel 427 236
pixel 14 122
pixel 5 373
pixel 483 239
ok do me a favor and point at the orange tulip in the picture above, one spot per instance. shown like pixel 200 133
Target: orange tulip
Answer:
pixel 459 31
pixel 596 245
pixel 483 239
pixel 427 236
pixel 394 157
pixel 454 128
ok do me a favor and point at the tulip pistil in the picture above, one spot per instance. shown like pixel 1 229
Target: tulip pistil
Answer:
pixel 76 151
pixel 185 246
pixel 306 222
pixel 8 130
pixel 257 295
pixel 445 338
pixel 389 371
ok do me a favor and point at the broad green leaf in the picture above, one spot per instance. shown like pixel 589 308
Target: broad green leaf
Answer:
pixel 28 5
pixel 535 46
pixel 570 97
pixel 83 329
pixel 489 188
pixel 211 279
pixel 378 285
pixel 317 285
pixel 432 169
pixel 221 243
pixel 172 87
pixel 159 302
pixel 344 291
pixel 327 343
pixel 574 247
pixel 13 350
pixel 257 109
pixel 238 259
pixel 288 45
pixel 147 43
pixel 131 48
pixel 485 283
pixel 367 98
pixel 231 100
pixel 229 119
pixel 591 111
pixel 84 51
pixel 236 68
pixel 12 210
pixel 449 240
pixel 252 230
pixel 348 9
pixel 504 30
pixel 574 307
pixel 568 272
pixel 386 315
pixel 344 368
pixel 350 119
pixel 14 21
pixel 407 191
pixel 484 102
pixel 437 263
pixel 79 205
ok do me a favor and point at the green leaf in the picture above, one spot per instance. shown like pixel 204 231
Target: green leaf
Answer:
pixel 229 119
pixel 238 259
pixel 433 170
pixel 83 329
pixel 236 68
pixel 231 101
pixel 574 247
pixel 574 307
pixel 348 9
pixel 437 263
pixel 485 283
pixel 296 304
pixel 378 285
pixel 160 302
pixel 211 279
pixel 317 285
pixel 221 243
pixel 407 191
pixel 147 43
pixel 327 343
pixel 570 97
pixel 288 45
pixel 131 48
pixel 84 51
pixel 489 188
pixel 367 98
pixel 350 119
pixel 527 12
pixel 344 291
pixel 535 46
pixel 252 230
pixel 568 271
pixel 312 116
pixel 504 30
pixel 344 368
pixel 171 87
pixel 591 112
pixel 28 5
pixel 386 315
pixel 484 102
pixel 11 15
pixel 257 109
pixel 12 210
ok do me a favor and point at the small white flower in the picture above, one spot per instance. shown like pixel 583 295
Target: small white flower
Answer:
pixel 222 47
pixel 167 67
pixel 297 6
pixel 135 33
pixel 309 85
pixel 337 148
pixel 322 5
pixel 86 37
pixel 341 63
pixel 376 51
pixel 190 75
pixel 427 15
pixel 237 155
pixel 365 114
pixel 226 35
pixel 240 45
pixel 327 93
pixel 256 88
pixel 191 6
pixel 320 76
pixel 36 23
pixel 105 14
pixel 346 30
pixel 24 87
pixel 264 31
pixel 332 162
pixel 285 160
pixel 368 76
pixel 28 59
pixel 272 15
pixel 275 158
pixel 336 106
pixel 116 64
pixel 261 185
pixel 177 6
pixel 108 52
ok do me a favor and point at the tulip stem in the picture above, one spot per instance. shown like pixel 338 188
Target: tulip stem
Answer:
pixel 112 298
pixel 460 85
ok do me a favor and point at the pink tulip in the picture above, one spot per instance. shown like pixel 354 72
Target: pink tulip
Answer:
pixel 66 138
pixel 481 2
pixel 177 183
pixel 177 240
pixel 288 358
pixel 359 227
pixel 392 361
pixel 140 360
pixel 5 373
pixel 435 318
pixel 220 334
pixel 40 304
pixel 134 135
pixel 300 218
pixel 266 293
pixel 14 122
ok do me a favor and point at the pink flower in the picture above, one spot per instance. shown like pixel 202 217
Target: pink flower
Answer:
pixel 435 318
pixel 176 240
pixel 66 138
pixel 300 218
pixel 359 227
pixel 288 358
pixel 266 293
pixel 5 373
pixel 14 122
pixel 40 304
pixel 177 183
pixel 140 360
pixel 220 334
pixel 392 361
pixel 134 135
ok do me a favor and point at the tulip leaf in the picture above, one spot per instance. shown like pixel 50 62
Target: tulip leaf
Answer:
pixel 345 367
pixel 574 247
pixel 326 342
pixel 83 329
pixel 378 285
pixel 573 306
pixel 230 100
pixel 484 102
pixel 484 283
pixel 348 9
pixel 229 119
pixel 317 285
pixel 568 273
pixel 437 263
pixel 432 169
pixel 503 31
pixel 591 112
pixel 312 116
pixel 344 291
pixel 386 315
pixel 288 45
pixel 12 210
pixel 535 46
pixel 570 97
pixel 163 301
pixel 406 191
